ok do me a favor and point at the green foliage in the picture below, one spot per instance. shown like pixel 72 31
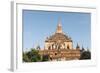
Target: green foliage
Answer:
pixel 25 57
pixel 31 56
pixel 85 55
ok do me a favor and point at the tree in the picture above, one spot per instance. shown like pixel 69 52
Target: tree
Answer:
pixel 31 56
pixel 85 55
pixel 25 58
pixel 35 56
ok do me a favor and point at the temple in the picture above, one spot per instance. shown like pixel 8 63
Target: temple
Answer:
pixel 59 46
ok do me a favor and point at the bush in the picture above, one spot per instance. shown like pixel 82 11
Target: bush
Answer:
pixel 31 56
pixel 85 55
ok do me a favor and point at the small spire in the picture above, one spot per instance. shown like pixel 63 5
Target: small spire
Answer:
pixel 59 22
pixel 59 27
pixel 83 48
pixel 77 47
pixel 38 47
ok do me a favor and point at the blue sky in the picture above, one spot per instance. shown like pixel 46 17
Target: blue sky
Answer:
pixel 37 25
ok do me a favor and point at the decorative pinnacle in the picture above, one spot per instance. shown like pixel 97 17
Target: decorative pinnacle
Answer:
pixel 59 27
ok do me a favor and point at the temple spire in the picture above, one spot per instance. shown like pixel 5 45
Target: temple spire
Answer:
pixel 59 27
pixel 77 47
